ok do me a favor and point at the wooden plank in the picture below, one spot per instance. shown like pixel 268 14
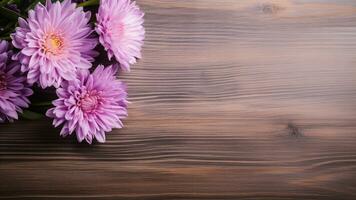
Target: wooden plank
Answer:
pixel 233 100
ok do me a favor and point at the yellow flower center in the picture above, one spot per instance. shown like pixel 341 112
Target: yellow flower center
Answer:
pixel 53 44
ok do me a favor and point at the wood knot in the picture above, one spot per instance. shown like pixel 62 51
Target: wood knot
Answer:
pixel 294 130
pixel 270 8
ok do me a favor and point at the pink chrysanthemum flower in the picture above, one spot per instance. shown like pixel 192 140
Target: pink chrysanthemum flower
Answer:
pixel 91 105
pixel 55 43
pixel 13 87
pixel 120 29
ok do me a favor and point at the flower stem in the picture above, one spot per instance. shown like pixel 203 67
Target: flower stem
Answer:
pixel 89 3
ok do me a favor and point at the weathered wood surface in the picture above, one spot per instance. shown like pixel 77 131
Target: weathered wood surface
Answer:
pixel 234 99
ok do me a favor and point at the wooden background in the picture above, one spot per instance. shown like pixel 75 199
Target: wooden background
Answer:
pixel 234 99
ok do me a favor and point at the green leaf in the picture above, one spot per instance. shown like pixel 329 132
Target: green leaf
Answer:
pixel 7 29
pixel 4 2
pixel 89 3
pixel 27 114
pixel 5 38
pixel 45 103
pixel 9 14
pixel 33 4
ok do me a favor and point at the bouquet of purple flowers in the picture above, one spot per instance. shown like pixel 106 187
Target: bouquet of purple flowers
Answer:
pixel 52 54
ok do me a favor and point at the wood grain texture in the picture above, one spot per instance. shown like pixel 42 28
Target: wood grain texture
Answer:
pixel 234 99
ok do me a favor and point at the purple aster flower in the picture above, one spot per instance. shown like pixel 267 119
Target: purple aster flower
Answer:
pixel 120 29
pixel 55 43
pixel 91 105
pixel 13 87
